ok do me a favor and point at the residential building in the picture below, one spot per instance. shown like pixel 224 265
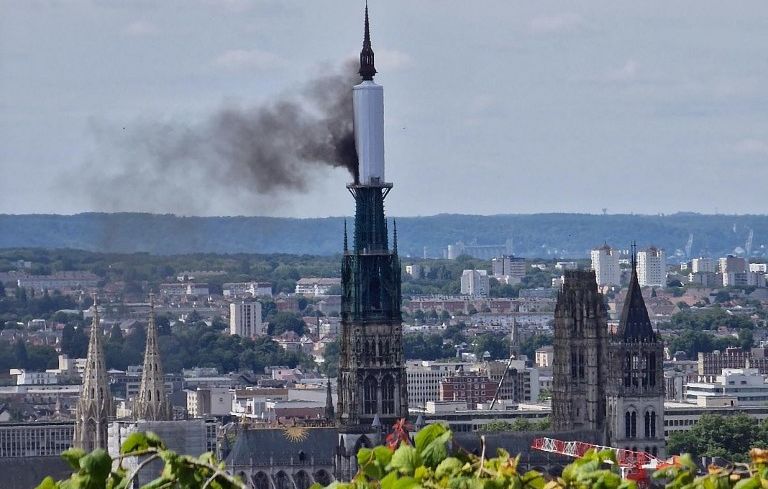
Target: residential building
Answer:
pixel 63 281
pixel 475 283
pixel 472 388
pixel 245 319
pixel 508 269
pixel 652 267
pixel 605 263
pixel 239 290
pixel 705 265
pixel 746 386
pixel 40 439
pixel 732 264
pixel 316 286
pixel 424 379
pixel 758 267
pixel 209 401
pixel 545 356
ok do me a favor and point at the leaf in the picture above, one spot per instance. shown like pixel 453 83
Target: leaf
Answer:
pixel 383 456
pixel 48 483
pixel 97 464
pixel 406 483
pixel 73 456
pixel 428 434
pixel 436 451
pixel 135 442
pixel 364 455
pixel 448 467
pixel 405 460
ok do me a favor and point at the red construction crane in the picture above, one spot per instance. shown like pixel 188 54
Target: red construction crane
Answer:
pixel 634 465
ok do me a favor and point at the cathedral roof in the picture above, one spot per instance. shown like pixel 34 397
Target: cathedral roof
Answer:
pixel 284 444
pixel 635 325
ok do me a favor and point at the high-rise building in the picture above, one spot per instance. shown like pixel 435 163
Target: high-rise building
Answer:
pixel 605 263
pixel 508 269
pixel 245 319
pixel 95 407
pixel 652 267
pixel 152 403
pixel 475 283
pixel 372 389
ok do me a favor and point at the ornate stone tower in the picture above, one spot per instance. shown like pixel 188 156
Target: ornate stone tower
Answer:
pixel 579 371
pixel 635 388
pixel 152 403
pixel 94 408
pixel 372 381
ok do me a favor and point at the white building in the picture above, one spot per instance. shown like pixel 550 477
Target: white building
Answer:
pixel 209 401
pixel 758 267
pixel 746 386
pixel 703 265
pixel 475 283
pixel 314 286
pixel 566 265
pixel 545 356
pixel 605 263
pixel 247 289
pixel 423 380
pixel 652 267
pixel 245 319
pixel 24 377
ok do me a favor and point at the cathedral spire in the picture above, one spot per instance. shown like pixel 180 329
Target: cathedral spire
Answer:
pixel 94 408
pixel 635 324
pixel 367 69
pixel 152 403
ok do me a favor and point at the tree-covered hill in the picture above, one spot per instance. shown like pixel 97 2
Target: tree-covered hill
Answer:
pixel 533 235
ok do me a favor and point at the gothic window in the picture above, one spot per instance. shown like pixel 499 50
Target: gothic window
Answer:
pixel 149 395
pixel 574 366
pixel 652 370
pixel 388 395
pixel 581 364
pixel 627 424
pixel 653 424
pixel 323 478
pixel 282 481
pixel 369 395
pixel 633 429
pixel 301 480
pixel 654 451
pixel 647 424
pixel 260 481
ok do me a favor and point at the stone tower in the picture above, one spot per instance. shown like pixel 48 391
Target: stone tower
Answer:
pixel 372 381
pixel 94 408
pixel 635 387
pixel 152 402
pixel 579 370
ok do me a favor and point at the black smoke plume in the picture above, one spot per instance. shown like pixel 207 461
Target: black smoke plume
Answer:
pixel 268 149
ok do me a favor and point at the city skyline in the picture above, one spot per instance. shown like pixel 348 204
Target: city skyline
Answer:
pixel 578 100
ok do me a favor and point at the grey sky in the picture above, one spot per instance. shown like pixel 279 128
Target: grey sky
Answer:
pixel 491 106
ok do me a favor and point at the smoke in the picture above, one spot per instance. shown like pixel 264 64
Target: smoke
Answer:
pixel 254 153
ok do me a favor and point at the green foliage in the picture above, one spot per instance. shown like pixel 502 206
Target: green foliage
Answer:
pixel 286 321
pixel 421 346
pixel 720 436
pixel 692 342
pixel 520 424
pixel 94 470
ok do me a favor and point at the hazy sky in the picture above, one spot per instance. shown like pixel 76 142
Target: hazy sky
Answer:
pixel 491 106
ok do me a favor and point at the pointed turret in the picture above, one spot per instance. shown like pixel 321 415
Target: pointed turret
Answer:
pixel 329 411
pixel 94 408
pixel 635 324
pixel 152 403
pixel 367 68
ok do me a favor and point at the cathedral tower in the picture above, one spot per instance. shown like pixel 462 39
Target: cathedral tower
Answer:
pixel 372 381
pixel 152 403
pixel 635 388
pixel 94 408
pixel 579 370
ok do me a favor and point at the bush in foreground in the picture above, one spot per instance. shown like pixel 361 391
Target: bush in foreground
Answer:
pixel 402 463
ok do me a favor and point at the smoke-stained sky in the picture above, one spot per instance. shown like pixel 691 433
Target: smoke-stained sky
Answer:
pixel 491 107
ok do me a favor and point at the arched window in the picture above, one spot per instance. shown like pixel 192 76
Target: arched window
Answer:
pixel 260 481
pixel 369 395
pixel 652 370
pixel 149 395
pixel 653 424
pixel 627 424
pixel 627 370
pixel 633 428
pixel 647 424
pixel 388 395
pixel 282 481
pixel 581 364
pixel 323 478
pixel 301 479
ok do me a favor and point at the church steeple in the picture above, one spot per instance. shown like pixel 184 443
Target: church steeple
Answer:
pixel 152 403
pixel 94 408
pixel 367 68
pixel 635 324
pixel 329 411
